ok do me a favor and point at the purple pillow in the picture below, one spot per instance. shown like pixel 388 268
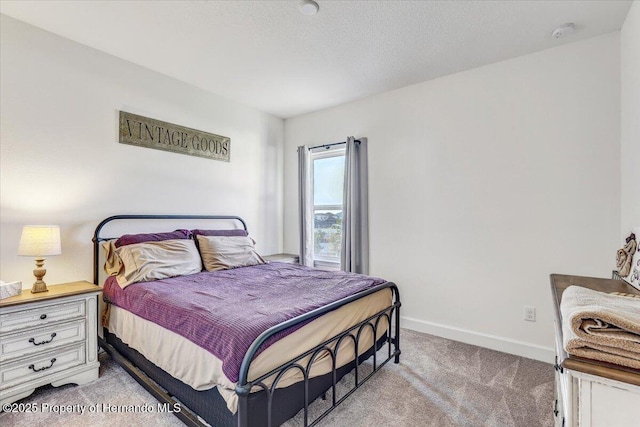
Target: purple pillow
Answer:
pixel 130 239
pixel 236 232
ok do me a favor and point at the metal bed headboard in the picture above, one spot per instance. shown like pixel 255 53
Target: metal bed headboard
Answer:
pixel 97 238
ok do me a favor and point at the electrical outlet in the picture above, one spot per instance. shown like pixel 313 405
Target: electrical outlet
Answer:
pixel 529 313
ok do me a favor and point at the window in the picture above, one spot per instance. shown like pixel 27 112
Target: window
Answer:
pixel 327 186
pixel 328 215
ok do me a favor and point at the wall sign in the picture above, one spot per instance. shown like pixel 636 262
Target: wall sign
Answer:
pixel 151 133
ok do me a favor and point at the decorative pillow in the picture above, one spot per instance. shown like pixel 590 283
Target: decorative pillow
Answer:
pixel 131 239
pixel 112 262
pixel 224 252
pixel 236 232
pixel 143 262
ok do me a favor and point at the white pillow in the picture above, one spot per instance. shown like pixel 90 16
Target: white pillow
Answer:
pixel 224 252
pixel 143 262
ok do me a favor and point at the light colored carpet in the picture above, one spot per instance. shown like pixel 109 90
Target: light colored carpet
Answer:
pixel 438 383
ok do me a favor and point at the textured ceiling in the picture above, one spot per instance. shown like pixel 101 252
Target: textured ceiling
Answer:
pixel 268 55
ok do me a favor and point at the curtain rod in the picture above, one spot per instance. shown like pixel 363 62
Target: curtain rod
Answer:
pixel 330 145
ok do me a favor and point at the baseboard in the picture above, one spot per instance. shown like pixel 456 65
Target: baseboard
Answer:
pixel 519 348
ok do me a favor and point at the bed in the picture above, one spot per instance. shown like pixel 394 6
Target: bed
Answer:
pixel 246 346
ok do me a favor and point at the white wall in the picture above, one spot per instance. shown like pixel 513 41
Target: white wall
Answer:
pixel 61 162
pixel 630 130
pixel 482 184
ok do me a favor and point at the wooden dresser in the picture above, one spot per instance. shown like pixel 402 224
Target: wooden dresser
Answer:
pixel 590 392
pixel 48 338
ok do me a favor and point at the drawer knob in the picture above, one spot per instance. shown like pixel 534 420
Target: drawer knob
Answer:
pixel 34 369
pixel 33 340
pixel 43 316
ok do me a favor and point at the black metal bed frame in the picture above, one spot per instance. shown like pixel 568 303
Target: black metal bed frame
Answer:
pixel 244 386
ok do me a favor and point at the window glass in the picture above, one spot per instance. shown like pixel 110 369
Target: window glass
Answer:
pixel 328 180
pixel 327 235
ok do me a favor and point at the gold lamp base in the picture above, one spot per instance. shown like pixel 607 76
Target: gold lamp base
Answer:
pixel 39 285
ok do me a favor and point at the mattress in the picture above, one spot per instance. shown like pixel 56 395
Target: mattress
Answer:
pixel 200 369
pixel 225 311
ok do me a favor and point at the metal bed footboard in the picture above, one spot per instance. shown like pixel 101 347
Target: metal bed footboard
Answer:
pixel 330 346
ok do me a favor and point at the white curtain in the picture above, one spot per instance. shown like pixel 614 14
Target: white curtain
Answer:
pixel 306 206
pixel 355 213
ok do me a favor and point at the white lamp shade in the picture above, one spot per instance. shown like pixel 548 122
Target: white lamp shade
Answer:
pixel 40 240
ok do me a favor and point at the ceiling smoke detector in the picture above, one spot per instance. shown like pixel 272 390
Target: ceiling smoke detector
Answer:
pixel 563 30
pixel 308 7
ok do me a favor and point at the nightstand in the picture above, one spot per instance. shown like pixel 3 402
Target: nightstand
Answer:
pixel 288 258
pixel 48 338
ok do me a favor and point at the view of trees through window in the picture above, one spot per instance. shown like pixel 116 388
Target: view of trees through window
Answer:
pixel 328 181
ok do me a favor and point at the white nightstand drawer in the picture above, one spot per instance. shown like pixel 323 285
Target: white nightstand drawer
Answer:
pixel 41 339
pixel 41 365
pixel 14 321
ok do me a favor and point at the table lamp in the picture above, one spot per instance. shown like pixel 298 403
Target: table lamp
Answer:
pixel 39 241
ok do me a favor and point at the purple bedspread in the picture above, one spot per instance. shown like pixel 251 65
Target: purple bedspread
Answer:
pixel 225 311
